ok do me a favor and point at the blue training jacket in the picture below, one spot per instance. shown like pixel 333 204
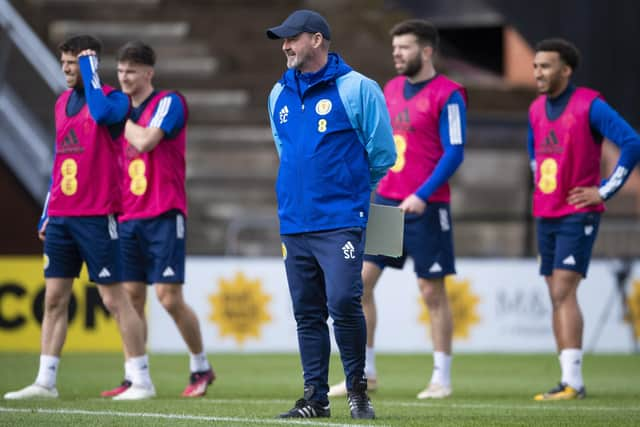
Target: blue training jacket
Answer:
pixel 333 135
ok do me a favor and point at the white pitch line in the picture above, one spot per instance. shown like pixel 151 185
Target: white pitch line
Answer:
pixel 175 417
pixel 562 406
pixel 546 405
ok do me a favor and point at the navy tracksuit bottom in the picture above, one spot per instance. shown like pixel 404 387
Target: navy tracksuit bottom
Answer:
pixel 324 271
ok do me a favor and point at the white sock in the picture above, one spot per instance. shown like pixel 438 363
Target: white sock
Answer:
pixel 441 369
pixel 571 364
pixel 48 371
pixel 128 369
pixel 140 370
pixel 370 363
pixel 198 362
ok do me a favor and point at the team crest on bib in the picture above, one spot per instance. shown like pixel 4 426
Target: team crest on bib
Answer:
pixel 323 107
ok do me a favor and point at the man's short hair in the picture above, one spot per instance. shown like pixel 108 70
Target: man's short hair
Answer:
pixel 77 44
pixel 137 52
pixel 425 31
pixel 568 52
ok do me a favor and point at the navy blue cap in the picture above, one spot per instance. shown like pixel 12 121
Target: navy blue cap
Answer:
pixel 301 21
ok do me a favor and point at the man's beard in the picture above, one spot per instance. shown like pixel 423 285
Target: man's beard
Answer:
pixel 414 66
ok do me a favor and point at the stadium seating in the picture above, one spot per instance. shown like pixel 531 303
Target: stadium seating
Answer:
pixel 217 55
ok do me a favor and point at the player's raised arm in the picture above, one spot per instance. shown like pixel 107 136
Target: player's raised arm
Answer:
pixel 105 110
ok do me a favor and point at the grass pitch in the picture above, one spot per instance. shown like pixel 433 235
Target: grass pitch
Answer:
pixel 489 390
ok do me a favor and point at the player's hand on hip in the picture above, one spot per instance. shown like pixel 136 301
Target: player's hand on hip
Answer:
pixel 43 229
pixel 581 197
pixel 413 204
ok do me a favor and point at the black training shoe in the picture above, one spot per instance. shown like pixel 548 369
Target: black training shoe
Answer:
pixel 359 401
pixel 305 408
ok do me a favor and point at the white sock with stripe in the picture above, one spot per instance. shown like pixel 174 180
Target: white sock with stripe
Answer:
pixel 48 371
pixel 571 364
pixel 441 369
pixel 128 368
pixel 140 370
pixel 198 362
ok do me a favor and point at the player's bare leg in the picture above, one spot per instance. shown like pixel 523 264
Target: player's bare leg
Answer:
pixel 56 314
pixel 170 296
pixel 118 302
pixel 435 297
pixel 202 375
pixel 568 325
pixel 137 292
pixel 54 332
pixel 567 317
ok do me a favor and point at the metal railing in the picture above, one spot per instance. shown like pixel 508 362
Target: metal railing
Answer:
pixel 25 146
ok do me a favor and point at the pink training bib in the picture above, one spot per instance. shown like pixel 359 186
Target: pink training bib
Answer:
pixel 154 182
pixel 416 134
pixel 86 171
pixel 566 154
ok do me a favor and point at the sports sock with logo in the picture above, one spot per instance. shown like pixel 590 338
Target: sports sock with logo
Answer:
pixel 198 362
pixel 48 371
pixel 441 369
pixel 128 368
pixel 140 370
pixel 571 364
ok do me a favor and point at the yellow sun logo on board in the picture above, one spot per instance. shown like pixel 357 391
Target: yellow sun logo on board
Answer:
pixel 633 302
pixel 463 303
pixel 240 308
